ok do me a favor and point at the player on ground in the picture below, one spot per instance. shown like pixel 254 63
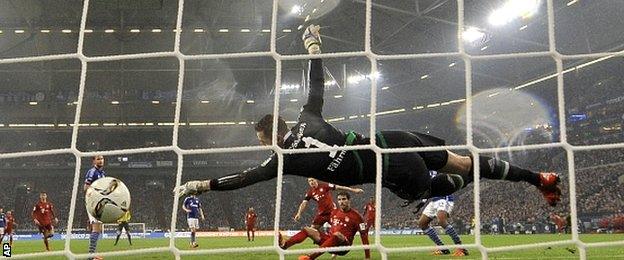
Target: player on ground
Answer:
pixel 345 222
pixel 193 209
pixel 405 174
pixel 93 174
pixel 440 208
pixel 3 223
pixel 43 216
pixel 122 223
pixel 369 213
pixel 250 223
pixel 10 223
pixel 321 193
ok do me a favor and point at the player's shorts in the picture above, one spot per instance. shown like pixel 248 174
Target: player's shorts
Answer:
pixel 2 231
pixel 325 236
pixel 370 223
pixel 92 219
pixel 7 231
pixel 250 227
pixel 121 226
pixel 433 207
pixel 193 223
pixel 45 228
pixel 321 218
pixel 407 174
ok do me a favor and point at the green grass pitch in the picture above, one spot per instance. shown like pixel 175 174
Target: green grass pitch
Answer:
pixel 557 252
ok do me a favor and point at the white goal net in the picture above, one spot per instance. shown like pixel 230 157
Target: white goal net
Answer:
pixel 368 54
pixel 110 231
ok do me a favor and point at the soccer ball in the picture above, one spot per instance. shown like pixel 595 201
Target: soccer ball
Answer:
pixel 107 199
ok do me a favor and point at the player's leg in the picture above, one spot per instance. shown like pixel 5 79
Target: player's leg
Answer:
pixel 119 228
pixel 11 238
pixel 459 171
pixel 126 226
pixel 248 236
pixel 1 234
pixel 253 233
pixel 443 216
pixel 428 214
pixel 336 239
pixel 44 232
pixel 305 232
pixel 193 224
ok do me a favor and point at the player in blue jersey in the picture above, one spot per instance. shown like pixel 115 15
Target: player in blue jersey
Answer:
pixel 440 208
pixel 3 223
pixel 93 174
pixel 193 209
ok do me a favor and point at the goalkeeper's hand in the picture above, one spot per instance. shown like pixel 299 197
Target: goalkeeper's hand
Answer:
pixel 192 187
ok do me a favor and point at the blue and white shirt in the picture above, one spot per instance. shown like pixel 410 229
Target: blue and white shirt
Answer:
pixel 94 174
pixel 193 204
pixel 448 197
pixel 2 220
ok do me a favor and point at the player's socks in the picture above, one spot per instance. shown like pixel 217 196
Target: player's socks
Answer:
pixel 93 241
pixel 492 168
pixel 433 235
pixel 129 238
pixel 296 239
pixel 47 245
pixel 193 238
pixel 11 241
pixel 117 239
pixel 451 232
pixel 331 241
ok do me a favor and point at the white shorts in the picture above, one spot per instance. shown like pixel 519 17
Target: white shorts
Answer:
pixel 433 207
pixel 193 223
pixel 92 219
pixel 1 230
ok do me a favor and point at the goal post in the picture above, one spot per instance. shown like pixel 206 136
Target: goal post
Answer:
pixel 136 230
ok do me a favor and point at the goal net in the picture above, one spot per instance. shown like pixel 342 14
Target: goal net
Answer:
pixel 449 84
pixel 112 230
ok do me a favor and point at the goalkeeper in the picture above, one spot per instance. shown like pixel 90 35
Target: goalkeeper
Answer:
pixel 405 174
pixel 122 223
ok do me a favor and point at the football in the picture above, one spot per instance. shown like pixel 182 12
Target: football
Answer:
pixel 107 199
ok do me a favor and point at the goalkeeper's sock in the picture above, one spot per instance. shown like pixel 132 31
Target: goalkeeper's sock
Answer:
pixel 93 241
pixel 117 239
pixel 129 238
pixel 493 168
pixel 451 232
pixel 296 239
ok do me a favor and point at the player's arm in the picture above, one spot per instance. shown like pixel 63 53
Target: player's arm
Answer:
pixel 88 181
pixel 345 188
pixel 316 79
pixel 184 206
pixel 364 236
pixel 53 215
pixel 263 172
pixel 302 207
pixel 34 216
pixel 201 213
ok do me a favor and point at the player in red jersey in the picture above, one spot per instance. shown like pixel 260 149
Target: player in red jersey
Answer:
pixel 559 222
pixel 250 223
pixel 345 222
pixel 321 193
pixel 10 219
pixel 43 215
pixel 369 213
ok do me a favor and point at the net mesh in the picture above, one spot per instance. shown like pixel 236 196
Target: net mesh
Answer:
pixel 373 58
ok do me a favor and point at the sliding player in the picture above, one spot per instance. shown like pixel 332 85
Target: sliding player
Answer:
pixel 321 193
